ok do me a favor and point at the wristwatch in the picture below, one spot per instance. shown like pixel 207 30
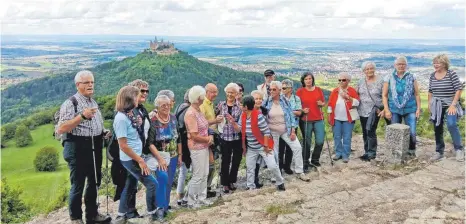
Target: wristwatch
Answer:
pixel 83 117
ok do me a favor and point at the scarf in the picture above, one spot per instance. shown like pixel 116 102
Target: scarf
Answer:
pixel 409 89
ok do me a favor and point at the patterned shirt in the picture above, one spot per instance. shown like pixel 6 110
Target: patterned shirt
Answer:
pixel 445 88
pixel 295 103
pixel 207 108
pixel 228 132
pixel 196 122
pixel 164 136
pixel 290 120
pixel 401 86
pixel 92 127
pixel 366 103
pixel 250 138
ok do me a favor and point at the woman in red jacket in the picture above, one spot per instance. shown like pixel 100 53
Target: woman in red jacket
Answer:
pixel 342 105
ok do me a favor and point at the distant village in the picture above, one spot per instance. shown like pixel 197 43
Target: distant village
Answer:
pixel 161 47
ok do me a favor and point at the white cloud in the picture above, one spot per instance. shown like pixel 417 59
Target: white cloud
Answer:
pixel 277 18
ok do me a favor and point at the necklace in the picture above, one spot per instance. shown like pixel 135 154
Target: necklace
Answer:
pixel 162 120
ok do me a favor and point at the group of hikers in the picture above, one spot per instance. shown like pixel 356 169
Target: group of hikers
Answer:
pixel 262 127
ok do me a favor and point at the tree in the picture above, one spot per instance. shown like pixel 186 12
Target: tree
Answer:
pixel 13 209
pixel 46 159
pixel 23 136
pixel 8 131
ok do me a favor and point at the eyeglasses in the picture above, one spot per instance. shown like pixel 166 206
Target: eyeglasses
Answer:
pixel 87 83
pixel 165 105
pixel 285 88
pixel 342 80
pixel 273 89
pixel 145 91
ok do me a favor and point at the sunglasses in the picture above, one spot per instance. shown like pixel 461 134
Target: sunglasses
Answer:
pixel 145 91
pixel 285 88
pixel 342 80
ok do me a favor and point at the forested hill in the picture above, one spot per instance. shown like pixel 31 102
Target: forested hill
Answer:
pixel 177 72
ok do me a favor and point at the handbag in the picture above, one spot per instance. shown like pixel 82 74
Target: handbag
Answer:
pixel 153 163
pixel 354 113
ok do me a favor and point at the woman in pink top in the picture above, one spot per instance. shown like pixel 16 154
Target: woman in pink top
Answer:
pixel 198 144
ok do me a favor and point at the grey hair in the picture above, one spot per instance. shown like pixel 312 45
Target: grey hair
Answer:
pixel 167 92
pixel 81 74
pixel 186 96
pixel 254 92
pixel 401 58
pixel 345 75
pixel 160 98
pixel 277 84
pixel 138 83
pixel 288 82
pixel 232 85
pixel 367 63
pixel 195 93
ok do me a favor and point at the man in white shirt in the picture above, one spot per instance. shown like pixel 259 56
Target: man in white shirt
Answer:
pixel 269 76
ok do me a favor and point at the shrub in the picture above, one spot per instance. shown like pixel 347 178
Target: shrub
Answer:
pixel 46 159
pixel 13 209
pixel 23 136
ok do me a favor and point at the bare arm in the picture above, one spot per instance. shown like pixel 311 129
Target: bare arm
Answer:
pixel 385 96
pixel 197 138
pixel 457 97
pixel 67 126
pixel 418 98
pixel 429 98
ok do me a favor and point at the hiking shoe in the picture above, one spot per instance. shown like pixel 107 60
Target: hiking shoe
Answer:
pixel 460 155
pixel 258 185
pixel 205 202
pixel 303 177
pixel 345 160
pixel 288 171
pixel 120 220
pixel 273 180
pixel 365 158
pixel 211 194
pixel 436 157
pixel 158 215
pixel 133 215
pixel 336 158
pixel 77 221
pixel 233 187
pixel 281 187
pixel 99 218
pixel 315 164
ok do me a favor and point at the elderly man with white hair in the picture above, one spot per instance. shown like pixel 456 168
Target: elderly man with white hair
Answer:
pixel 401 99
pixel 198 144
pixel 82 128
pixel 342 105
pixel 282 124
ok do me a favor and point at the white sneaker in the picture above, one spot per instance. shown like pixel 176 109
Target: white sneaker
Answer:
pixel 436 157
pixel 273 180
pixel 460 155
pixel 205 202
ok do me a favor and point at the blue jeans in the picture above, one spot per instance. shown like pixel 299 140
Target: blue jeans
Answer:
pixel 165 179
pixel 307 128
pixel 452 126
pixel 410 120
pixel 134 174
pixel 342 134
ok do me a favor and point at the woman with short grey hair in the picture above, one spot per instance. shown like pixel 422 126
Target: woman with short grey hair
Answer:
pixel 401 100
pixel 198 143
pixel 170 95
pixel 370 108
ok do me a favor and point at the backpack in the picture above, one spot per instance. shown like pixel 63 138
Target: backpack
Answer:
pixel 56 118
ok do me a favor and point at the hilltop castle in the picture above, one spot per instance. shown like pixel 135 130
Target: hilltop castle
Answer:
pixel 158 46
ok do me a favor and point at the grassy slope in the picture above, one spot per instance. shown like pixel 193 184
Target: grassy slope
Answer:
pixel 39 188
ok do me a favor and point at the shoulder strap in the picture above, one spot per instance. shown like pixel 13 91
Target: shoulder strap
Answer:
pixel 75 103
pixel 369 92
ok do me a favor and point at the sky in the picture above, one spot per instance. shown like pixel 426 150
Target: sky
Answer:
pixel 368 19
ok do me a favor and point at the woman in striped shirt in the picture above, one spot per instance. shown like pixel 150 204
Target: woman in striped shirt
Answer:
pixel 444 93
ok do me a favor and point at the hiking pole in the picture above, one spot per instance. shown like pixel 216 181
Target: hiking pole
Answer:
pixel 106 171
pixel 325 136
pixel 95 167
pixel 304 139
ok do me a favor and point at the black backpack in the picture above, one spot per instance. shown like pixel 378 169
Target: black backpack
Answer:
pixel 56 117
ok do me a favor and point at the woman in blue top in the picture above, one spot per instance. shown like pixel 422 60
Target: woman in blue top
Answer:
pixel 401 99
pixel 125 126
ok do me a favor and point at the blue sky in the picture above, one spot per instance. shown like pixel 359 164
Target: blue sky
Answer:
pixel 387 19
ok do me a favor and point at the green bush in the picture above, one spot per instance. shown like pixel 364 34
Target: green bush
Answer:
pixel 23 136
pixel 13 209
pixel 46 159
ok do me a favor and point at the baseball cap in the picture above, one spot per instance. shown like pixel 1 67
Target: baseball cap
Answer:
pixel 269 72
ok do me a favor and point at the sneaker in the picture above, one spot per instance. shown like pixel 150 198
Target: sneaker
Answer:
pixel 133 215
pixel 273 180
pixel 226 189
pixel 436 157
pixel 259 185
pixel 365 158
pixel 460 155
pixel 182 203
pixel 158 215
pixel 303 177
pixel 288 171
pixel 99 218
pixel 315 164
pixel 336 158
pixel 233 187
pixel 281 187
pixel 205 202
pixel 211 194
pixel 77 221
pixel 346 160
pixel 120 220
